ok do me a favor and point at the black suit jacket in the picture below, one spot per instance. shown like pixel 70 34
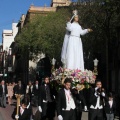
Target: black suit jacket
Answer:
pixel 42 94
pixel 1 90
pixel 19 90
pixel 93 98
pixel 61 101
pixel 80 100
pixel 107 108
pixel 25 116
pixel 36 91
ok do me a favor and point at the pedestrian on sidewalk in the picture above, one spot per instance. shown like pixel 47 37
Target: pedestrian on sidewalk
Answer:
pixel 3 93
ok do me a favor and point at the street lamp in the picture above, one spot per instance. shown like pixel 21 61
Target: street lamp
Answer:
pixel 95 71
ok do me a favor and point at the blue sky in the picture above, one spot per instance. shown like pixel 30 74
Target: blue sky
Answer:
pixel 11 10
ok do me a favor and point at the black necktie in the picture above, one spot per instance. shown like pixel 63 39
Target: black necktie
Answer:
pixel 47 92
pixel 30 89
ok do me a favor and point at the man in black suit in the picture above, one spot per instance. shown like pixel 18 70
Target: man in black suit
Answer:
pixel 3 94
pixel 24 113
pixel 66 102
pixel 80 102
pixel 20 90
pixel 36 93
pixel 29 90
pixel 46 101
pixel 97 95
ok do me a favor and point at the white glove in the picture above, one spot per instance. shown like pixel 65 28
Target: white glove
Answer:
pixel 60 117
pixel 103 94
pixel 96 88
pixel 40 109
pixel 28 105
pixel 85 108
pixel 6 95
pixel 16 117
pixel 96 94
pixel 27 87
pixel 32 94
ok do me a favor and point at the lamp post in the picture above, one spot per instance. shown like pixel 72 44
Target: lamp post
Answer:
pixel 95 71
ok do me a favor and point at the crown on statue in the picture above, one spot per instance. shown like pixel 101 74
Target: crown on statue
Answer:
pixel 75 12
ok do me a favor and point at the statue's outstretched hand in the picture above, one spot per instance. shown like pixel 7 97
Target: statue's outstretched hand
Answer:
pixel 90 30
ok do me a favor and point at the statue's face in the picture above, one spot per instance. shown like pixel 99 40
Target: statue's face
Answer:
pixel 76 18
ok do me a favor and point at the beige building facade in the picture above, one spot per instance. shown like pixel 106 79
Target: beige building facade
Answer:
pixel 56 3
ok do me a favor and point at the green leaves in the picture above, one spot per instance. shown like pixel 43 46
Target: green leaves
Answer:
pixel 44 32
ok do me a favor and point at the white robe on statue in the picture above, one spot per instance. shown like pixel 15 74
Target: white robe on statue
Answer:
pixel 64 47
pixel 74 53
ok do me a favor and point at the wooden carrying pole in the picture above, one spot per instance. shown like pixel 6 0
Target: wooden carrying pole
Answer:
pixel 18 103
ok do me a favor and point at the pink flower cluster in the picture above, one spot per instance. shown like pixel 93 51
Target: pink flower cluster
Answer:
pixel 77 76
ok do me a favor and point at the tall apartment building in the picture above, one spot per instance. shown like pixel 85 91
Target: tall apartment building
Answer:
pixel 8 36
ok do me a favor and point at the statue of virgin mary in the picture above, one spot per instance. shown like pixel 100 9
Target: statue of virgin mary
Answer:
pixel 73 52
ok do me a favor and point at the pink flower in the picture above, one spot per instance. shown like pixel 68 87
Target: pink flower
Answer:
pixel 87 79
pixel 83 80
pixel 84 73
pixel 94 76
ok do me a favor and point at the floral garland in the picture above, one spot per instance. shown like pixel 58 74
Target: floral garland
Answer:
pixel 79 79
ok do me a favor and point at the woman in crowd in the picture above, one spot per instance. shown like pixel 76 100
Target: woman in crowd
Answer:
pixel 10 93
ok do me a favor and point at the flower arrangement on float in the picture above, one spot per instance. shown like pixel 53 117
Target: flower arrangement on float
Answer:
pixel 80 79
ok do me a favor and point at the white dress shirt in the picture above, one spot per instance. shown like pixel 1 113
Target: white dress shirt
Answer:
pixel 3 86
pixel 21 110
pixel 110 103
pixel 36 86
pixel 70 104
pixel 97 104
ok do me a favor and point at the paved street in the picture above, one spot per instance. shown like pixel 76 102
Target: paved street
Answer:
pixel 5 113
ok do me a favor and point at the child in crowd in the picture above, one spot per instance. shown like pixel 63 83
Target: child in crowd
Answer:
pixel 110 106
